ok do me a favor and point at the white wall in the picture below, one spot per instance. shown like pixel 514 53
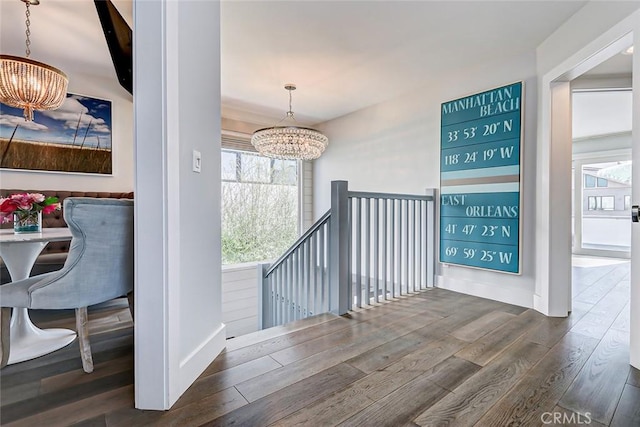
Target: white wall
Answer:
pixel 240 298
pixel 594 19
pixel 598 31
pixel 122 141
pixel 603 230
pixel 81 58
pixel 179 329
pixel 395 147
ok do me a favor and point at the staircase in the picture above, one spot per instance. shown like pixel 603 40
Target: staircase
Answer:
pixel 367 249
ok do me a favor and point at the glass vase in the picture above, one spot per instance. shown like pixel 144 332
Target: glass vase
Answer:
pixel 27 222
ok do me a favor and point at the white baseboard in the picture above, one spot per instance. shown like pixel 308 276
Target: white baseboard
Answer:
pixel 539 305
pixel 198 360
pixel 507 294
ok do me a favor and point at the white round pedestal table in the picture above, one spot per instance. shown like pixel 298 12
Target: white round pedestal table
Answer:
pixel 19 252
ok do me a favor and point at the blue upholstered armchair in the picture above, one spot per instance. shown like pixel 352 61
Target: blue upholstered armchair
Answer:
pixel 99 267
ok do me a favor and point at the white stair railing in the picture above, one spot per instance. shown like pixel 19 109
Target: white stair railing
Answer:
pixel 369 247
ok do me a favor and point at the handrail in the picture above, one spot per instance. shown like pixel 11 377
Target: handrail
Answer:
pixel 368 247
pixel 390 196
pixel 319 223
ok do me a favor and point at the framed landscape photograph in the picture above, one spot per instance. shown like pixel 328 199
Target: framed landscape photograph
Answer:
pixel 73 138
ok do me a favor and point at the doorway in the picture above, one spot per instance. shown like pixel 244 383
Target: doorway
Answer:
pixel 554 268
pixel 601 199
pixel 601 190
pixel 601 160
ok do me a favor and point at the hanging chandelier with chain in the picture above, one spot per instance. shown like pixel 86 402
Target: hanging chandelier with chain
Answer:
pixel 289 142
pixel 28 84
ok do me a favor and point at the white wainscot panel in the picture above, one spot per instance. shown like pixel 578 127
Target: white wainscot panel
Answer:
pixel 240 299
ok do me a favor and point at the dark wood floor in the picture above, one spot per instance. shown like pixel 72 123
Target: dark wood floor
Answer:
pixel 434 358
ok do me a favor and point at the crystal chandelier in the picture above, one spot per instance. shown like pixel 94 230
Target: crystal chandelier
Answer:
pixel 28 84
pixel 289 141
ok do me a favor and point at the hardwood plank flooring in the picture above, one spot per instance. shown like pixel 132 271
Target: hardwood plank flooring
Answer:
pixel 628 410
pixel 400 406
pixel 228 378
pixel 604 374
pixel 291 398
pixel 603 285
pixel 77 410
pixel 469 402
pixel 429 358
pixel 485 324
pixel 566 418
pixel 602 315
pixel 623 321
pixel 544 384
pixel 269 382
pixel 234 357
pixel 483 350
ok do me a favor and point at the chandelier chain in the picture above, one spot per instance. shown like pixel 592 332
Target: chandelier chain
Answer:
pixel 290 112
pixel 30 85
pixel 28 31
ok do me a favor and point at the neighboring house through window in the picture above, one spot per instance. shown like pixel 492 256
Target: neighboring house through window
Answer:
pixel 591 181
pixel 601 203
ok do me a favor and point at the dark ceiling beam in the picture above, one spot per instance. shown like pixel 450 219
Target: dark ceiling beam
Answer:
pixel 119 37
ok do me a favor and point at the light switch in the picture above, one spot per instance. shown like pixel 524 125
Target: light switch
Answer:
pixel 197 161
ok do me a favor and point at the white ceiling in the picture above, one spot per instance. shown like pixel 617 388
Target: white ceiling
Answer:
pixel 64 33
pixel 343 55
pixel 601 113
pixel 616 65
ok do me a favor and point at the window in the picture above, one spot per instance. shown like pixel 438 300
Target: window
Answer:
pixel 230 166
pixel 608 203
pixel 627 202
pixel 254 168
pixel 591 181
pixel 259 206
pixel 601 203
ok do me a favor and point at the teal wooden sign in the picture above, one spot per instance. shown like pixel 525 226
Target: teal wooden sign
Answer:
pixel 480 179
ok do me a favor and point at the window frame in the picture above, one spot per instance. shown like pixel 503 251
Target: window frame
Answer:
pixel 241 142
pixel 598 204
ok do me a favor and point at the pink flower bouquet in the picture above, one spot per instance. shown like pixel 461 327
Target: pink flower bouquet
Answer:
pixel 26 204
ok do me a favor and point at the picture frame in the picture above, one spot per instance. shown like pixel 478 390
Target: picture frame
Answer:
pixel 75 138
pixel 481 179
